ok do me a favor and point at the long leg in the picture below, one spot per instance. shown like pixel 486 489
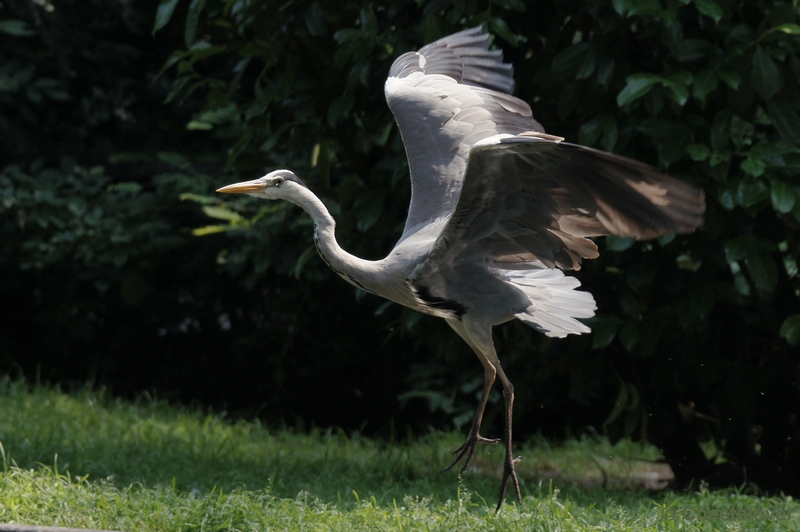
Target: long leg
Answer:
pixel 467 450
pixel 479 337
pixel 509 472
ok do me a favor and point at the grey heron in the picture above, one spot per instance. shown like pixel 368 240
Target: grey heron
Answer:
pixel 498 209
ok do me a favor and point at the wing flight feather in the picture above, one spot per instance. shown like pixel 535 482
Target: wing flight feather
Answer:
pixel 504 191
pixel 537 199
pixel 448 96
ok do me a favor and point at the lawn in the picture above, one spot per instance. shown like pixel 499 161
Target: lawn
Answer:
pixel 83 459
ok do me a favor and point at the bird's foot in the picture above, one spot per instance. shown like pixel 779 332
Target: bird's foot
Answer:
pixel 509 473
pixel 468 450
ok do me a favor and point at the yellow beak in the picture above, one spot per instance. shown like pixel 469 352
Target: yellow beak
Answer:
pixel 243 187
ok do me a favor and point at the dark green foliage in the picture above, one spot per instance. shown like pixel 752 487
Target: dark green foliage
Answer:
pixel 696 335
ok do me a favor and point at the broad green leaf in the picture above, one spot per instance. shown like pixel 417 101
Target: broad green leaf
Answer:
pixel 637 86
pixel 587 66
pixel 763 269
pixel 196 125
pixel 710 9
pixel 17 28
pixel 501 28
pixel 618 243
pixel 347 35
pixel 698 152
pixel 741 132
pixel 570 58
pixel 768 150
pixel 790 329
pixel 790 28
pixel 201 50
pixel 737 248
pixel 77 206
pixel 590 132
pixel 192 20
pixel 221 213
pixel 765 75
pixel 731 78
pixel 677 90
pixel 204 200
pixel 754 167
pixel 742 33
pixel 610 133
pixel 665 240
pixel 785 119
pixel 683 77
pixel 212 229
pixel 368 19
pixel 646 8
pixel 752 191
pixel 728 193
pixel 654 101
pixel 718 158
pixel 757 255
pixel 783 196
pixel 604 329
pixel 673 148
pixel 433 26
pixel 621 6
pixel 605 70
pixel 164 12
pixel 704 83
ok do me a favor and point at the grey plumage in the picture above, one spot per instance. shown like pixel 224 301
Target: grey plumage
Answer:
pixel 498 209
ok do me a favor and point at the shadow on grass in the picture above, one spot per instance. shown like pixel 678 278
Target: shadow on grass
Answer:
pixel 150 443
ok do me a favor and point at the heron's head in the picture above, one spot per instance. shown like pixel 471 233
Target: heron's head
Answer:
pixel 280 184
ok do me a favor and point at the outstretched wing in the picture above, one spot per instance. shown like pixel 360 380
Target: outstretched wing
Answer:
pixel 532 198
pixel 445 98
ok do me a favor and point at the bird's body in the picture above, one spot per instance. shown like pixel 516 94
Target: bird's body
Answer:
pixel 498 209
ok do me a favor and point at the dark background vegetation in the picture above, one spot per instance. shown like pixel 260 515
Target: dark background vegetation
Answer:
pixel 120 267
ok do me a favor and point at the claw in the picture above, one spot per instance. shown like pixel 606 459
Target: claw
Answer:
pixel 468 449
pixel 509 473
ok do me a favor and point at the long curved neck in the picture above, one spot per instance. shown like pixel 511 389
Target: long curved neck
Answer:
pixel 358 272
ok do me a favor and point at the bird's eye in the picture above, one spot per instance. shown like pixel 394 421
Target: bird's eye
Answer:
pixel 279 182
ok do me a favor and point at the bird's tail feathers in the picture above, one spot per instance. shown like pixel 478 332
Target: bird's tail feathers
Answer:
pixel 554 300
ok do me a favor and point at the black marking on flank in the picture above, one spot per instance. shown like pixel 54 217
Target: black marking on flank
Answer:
pixel 438 303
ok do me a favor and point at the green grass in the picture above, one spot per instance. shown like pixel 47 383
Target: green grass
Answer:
pixel 86 460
